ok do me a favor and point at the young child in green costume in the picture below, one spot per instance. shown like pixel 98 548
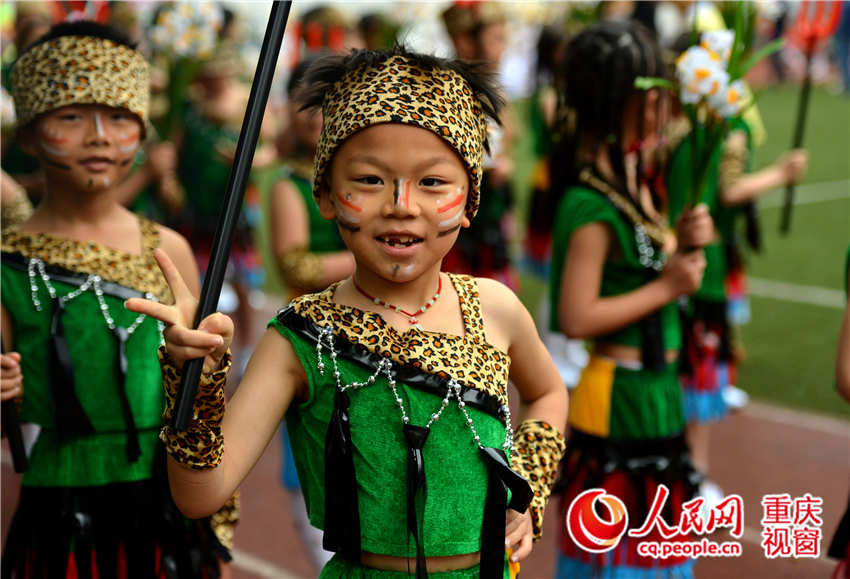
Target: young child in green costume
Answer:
pixel 393 381
pixel 95 500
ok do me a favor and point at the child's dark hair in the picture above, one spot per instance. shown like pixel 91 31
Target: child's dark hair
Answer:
pixel 595 84
pixel 327 70
pixel 86 28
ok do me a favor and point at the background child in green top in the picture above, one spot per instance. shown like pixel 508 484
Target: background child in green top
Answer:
pixel 400 184
pixel 309 254
pixel 616 274
pixel 92 502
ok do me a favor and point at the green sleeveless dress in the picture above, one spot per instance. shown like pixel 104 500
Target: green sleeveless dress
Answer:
pixel 453 508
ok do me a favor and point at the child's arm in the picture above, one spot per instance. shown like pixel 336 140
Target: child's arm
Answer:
pixel 11 379
pixel 253 413
pixel 290 229
pixel 738 187
pixel 583 313
pixel 543 415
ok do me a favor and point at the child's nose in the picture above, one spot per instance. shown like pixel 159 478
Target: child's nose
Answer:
pixel 402 202
pixel 97 131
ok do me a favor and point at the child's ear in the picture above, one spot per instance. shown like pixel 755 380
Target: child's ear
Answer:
pixel 465 222
pixel 326 206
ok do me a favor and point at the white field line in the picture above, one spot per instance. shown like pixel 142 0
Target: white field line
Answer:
pixel 792 292
pixel 797 419
pixel 806 194
pixel 260 567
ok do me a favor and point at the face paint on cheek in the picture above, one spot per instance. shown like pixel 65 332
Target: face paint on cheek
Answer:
pixel 449 231
pixel 128 142
pixel 453 201
pixel 52 142
pixel 345 205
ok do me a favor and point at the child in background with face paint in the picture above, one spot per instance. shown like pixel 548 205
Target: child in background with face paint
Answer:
pixel 95 500
pixel 395 379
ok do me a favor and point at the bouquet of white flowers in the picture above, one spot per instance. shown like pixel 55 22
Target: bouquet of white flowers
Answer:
pixel 186 34
pixel 708 83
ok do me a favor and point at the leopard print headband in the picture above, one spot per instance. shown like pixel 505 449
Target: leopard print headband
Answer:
pixel 399 91
pixel 80 70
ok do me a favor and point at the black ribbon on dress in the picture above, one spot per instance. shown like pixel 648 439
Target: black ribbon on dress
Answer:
pixel 416 436
pixel 342 513
pixel 501 479
pixel 133 448
pixel 652 342
pixel 69 417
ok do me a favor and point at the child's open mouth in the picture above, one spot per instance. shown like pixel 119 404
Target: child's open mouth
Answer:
pixel 399 241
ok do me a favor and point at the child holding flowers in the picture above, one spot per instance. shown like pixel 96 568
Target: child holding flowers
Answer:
pixel 616 276
pixel 711 165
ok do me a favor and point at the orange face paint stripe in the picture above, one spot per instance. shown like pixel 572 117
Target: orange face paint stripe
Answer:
pixel 453 203
pixel 349 204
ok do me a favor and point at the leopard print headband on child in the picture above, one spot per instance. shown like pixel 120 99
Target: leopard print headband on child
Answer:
pixel 80 70
pixel 398 91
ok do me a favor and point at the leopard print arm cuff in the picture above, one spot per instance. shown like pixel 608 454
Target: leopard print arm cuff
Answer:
pixel 301 269
pixel 201 445
pixel 733 164
pixel 538 447
pixel 224 521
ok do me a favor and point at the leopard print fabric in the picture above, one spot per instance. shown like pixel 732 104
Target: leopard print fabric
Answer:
pixel 397 91
pixel 80 70
pixel 224 521
pixel 469 359
pixel 201 445
pixel 139 272
pixel 538 448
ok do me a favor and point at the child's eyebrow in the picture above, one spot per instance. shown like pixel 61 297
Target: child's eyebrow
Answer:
pixel 431 162
pixel 371 160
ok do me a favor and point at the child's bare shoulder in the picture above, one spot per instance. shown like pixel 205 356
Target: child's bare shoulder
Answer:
pixel 172 242
pixel 501 309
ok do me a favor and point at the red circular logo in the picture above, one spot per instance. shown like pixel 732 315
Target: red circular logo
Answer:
pixel 588 530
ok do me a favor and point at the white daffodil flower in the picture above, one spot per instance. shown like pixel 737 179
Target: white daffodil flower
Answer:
pixel 728 102
pixel 719 42
pixel 700 74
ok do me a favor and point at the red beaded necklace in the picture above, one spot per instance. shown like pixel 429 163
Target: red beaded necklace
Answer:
pixel 411 316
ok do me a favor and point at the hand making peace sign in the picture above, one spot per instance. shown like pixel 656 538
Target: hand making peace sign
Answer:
pixel 210 340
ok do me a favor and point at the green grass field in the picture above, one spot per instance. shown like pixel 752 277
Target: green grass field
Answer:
pixel 791 346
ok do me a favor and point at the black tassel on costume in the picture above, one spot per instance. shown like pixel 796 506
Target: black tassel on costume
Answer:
pixel 652 342
pixel 501 479
pixel 69 417
pixel 342 513
pixel 133 448
pixel 416 437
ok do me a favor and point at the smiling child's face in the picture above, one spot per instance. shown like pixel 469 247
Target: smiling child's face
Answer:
pixel 84 147
pixel 398 193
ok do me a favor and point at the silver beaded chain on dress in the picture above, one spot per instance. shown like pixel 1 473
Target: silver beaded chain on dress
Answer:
pixel 325 340
pixel 94 282
pixel 646 251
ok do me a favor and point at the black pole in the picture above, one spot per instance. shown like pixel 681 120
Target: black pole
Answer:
pixel 12 428
pixel 802 109
pixel 233 197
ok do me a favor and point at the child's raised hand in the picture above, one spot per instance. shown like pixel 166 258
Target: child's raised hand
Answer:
pixel 794 165
pixel 210 340
pixel 695 228
pixel 683 272
pixel 11 378
pixel 519 534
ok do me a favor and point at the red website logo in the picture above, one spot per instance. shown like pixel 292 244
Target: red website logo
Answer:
pixel 591 532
